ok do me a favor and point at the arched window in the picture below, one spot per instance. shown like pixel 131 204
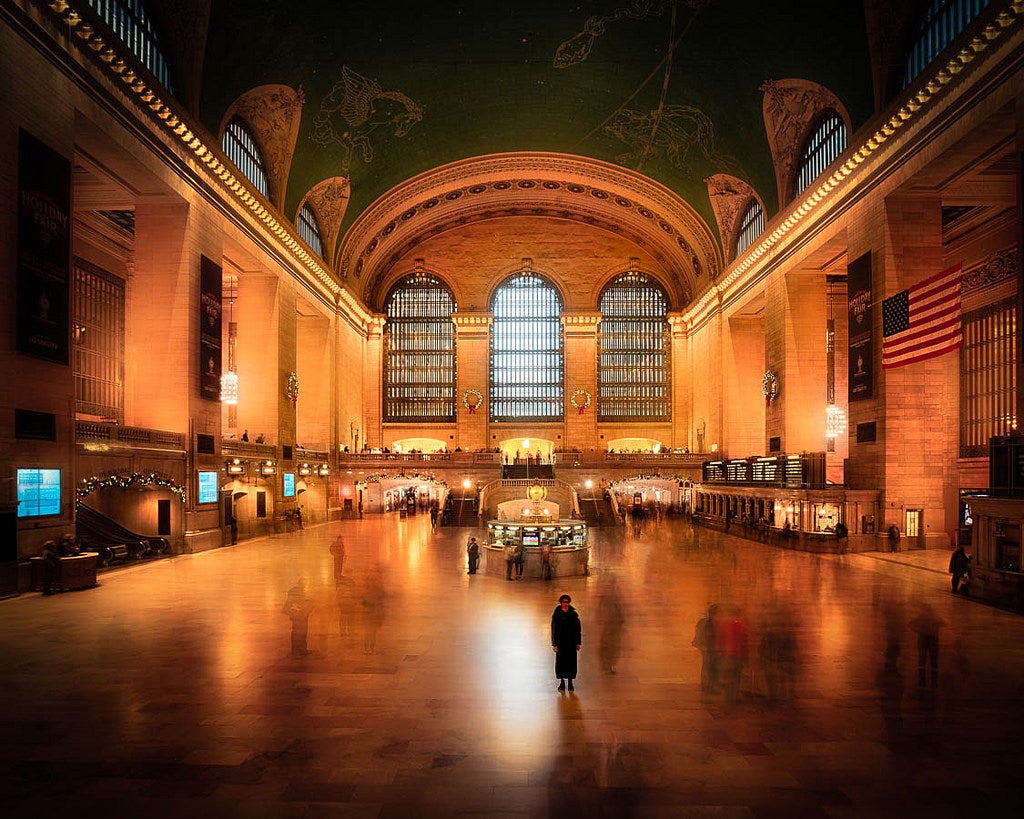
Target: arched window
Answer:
pixel 419 351
pixel 633 352
pixel 825 144
pixel 241 149
pixel 751 226
pixel 526 351
pixel 309 229
pixel 942 21
pixel 133 27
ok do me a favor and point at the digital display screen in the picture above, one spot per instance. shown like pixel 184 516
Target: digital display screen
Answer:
pixel 208 487
pixel 289 484
pixel 531 540
pixel 38 492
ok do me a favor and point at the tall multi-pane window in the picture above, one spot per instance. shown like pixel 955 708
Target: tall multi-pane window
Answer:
pixel 633 352
pixel 942 21
pixel 98 342
pixel 526 351
pixel 241 149
pixel 821 150
pixel 132 25
pixel 309 229
pixel 988 369
pixel 419 351
pixel 751 226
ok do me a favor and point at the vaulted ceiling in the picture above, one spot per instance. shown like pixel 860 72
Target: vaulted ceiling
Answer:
pixel 669 90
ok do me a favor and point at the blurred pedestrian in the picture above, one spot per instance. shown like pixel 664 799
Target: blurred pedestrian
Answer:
pixel 546 560
pixel 298 607
pixel 433 517
pixel 731 645
pixel 613 620
pixel 374 606
pixel 510 560
pixel 894 538
pixel 51 565
pixel 338 551
pixel 959 567
pixel 473 554
pixel 927 624
pixel 519 558
pixel 704 642
pixel 566 640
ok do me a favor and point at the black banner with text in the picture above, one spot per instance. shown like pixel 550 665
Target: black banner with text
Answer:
pixel 858 290
pixel 210 307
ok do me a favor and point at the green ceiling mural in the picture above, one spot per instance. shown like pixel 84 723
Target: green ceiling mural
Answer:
pixel 670 89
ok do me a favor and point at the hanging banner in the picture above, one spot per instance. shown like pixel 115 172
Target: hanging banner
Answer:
pixel 44 250
pixel 210 306
pixel 858 290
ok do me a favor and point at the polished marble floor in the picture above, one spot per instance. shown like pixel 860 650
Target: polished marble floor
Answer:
pixel 171 690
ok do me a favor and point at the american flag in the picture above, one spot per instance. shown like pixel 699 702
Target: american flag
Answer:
pixel 923 321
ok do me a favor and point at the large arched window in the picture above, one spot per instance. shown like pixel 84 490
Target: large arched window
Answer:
pixel 309 229
pixel 941 22
pixel 751 226
pixel 241 149
pixel 821 150
pixel 633 352
pixel 132 25
pixel 526 351
pixel 419 351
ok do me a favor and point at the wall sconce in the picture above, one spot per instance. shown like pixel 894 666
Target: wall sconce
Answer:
pixel 324 470
pixel 235 467
pixel 304 469
pixel 268 468
pixel 229 388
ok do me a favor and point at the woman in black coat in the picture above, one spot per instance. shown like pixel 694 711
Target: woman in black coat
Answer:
pixel 566 638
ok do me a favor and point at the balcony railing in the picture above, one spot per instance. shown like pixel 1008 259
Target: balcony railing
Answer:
pixel 116 434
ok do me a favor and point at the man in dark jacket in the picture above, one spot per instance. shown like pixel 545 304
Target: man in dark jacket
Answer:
pixel 566 638
pixel 959 565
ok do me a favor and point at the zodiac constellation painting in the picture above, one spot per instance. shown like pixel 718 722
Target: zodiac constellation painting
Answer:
pixel 354 109
pixel 678 133
pixel 675 132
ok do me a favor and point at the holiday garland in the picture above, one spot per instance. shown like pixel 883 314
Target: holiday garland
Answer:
pixel 377 477
pixel 136 480
pixel 656 476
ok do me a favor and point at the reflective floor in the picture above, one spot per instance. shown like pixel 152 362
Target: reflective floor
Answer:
pixel 173 689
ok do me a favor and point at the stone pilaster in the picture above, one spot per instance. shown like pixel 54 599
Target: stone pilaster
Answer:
pixel 580 328
pixel 372 398
pixel 472 340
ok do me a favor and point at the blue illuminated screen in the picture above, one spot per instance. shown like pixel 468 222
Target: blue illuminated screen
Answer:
pixel 38 492
pixel 208 487
pixel 289 484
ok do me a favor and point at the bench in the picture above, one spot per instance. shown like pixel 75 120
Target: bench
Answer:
pixel 73 572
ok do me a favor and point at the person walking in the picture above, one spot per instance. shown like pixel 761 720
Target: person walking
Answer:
pixel 520 559
pixel 433 517
pixel 927 624
pixel 510 560
pixel 566 640
pixel 338 552
pixel 959 566
pixel 473 553
pixel 894 538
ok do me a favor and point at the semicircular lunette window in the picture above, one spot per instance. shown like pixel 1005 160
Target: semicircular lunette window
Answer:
pixel 634 355
pixel 240 147
pixel 751 226
pixel 309 229
pixel 419 351
pixel 825 144
pixel 527 355
pixel 134 27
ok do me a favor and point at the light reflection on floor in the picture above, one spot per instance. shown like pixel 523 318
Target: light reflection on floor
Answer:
pixel 171 690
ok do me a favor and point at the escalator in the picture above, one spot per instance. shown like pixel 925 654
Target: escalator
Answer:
pixel 98 533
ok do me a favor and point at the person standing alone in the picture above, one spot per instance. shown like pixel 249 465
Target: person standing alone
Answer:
pixel 566 639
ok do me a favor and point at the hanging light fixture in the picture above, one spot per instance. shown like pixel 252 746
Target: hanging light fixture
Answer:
pixel 229 379
pixel 835 421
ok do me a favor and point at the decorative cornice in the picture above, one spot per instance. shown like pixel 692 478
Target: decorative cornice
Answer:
pixel 994 269
pixel 817 198
pixel 174 123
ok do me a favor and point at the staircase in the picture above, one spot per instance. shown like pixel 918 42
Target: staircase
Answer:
pixel 460 512
pixel 597 511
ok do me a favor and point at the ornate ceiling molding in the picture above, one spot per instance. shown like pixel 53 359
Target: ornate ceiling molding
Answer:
pixel 791 109
pixel 729 198
pixel 329 201
pixel 531 184
pixel 273 114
